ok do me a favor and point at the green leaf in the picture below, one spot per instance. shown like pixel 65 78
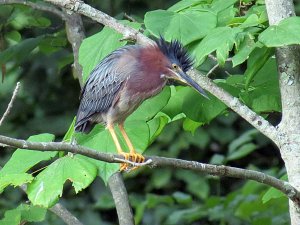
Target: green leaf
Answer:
pixel 246 137
pixel 156 126
pixel 29 158
pixel 251 21
pixel 287 32
pixel 242 151
pixel 48 185
pixel 16 179
pixel 220 39
pixel 200 109
pixel 20 51
pixel 184 4
pixel 154 200
pixel 69 135
pixel 264 94
pixel 273 193
pixel 185 26
pixel 217 159
pixel 190 125
pixel 243 51
pixel 52 44
pixel 256 61
pixel 225 16
pixel 220 5
pixel 196 184
pixel 94 48
pixel 182 198
pixel 23 213
pixel 174 106
pixel 160 177
pixel 13 36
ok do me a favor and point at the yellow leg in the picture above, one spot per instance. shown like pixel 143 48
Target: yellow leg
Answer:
pixel 135 157
pixel 123 166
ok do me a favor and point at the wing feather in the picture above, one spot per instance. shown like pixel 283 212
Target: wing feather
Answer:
pixel 101 88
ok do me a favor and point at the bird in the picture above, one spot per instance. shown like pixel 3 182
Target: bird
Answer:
pixel 123 80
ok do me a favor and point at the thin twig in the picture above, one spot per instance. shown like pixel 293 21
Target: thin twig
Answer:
pixel 11 103
pixel 212 69
pixel 130 18
pixel 226 171
pixel 34 5
pixel 120 196
pixel 134 164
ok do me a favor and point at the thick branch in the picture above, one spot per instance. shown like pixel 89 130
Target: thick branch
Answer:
pixel 38 6
pixel 289 82
pixel 86 10
pixel 255 120
pixel 120 196
pixel 75 34
pixel 226 171
pixel 59 210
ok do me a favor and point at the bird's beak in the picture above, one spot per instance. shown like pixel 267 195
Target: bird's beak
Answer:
pixel 184 78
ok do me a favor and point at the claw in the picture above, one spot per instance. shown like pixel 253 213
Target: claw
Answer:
pixel 133 157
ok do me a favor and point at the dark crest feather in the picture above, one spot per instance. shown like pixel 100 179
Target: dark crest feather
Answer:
pixel 175 52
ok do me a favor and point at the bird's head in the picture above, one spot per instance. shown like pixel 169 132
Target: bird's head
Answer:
pixel 178 63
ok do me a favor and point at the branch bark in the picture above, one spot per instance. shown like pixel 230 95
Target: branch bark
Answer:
pixel 215 170
pixel 38 6
pixel 59 210
pixel 289 80
pixel 75 35
pixel 120 196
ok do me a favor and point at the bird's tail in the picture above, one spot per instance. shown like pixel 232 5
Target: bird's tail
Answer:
pixel 85 126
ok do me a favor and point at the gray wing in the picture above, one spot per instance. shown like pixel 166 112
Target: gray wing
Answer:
pixel 100 90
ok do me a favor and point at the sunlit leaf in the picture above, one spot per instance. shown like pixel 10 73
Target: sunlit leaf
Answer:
pixel 48 185
pixel 220 39
pixel 184 26
pixel 276 35
pixel 23 214
pixel 22 160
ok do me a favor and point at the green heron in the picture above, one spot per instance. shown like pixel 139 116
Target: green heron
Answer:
pixel 123 80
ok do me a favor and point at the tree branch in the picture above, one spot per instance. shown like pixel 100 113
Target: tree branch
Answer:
pixel 63 213
pixel 75 35
pixel 11 103
pixel 255 120
pixel 288 65
pixel 96 15
pixel 225 171
pixel 120 196
pixel 38 6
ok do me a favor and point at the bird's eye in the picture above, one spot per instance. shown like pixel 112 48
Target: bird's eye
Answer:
pixel 174 66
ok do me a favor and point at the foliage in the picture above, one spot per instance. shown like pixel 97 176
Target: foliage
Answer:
pixel 242 43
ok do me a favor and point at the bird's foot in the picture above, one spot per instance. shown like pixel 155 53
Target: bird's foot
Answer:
pixel 133 158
